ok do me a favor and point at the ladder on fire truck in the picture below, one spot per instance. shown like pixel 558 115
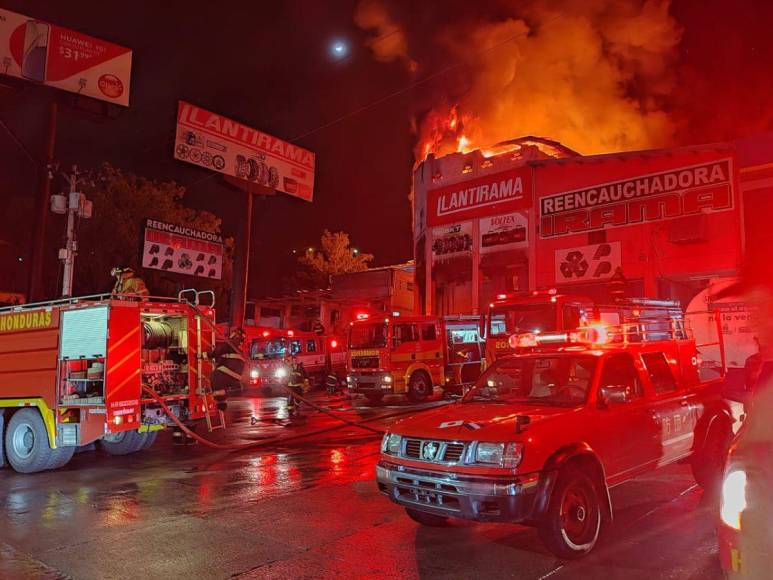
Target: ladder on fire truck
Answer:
pixel 203 387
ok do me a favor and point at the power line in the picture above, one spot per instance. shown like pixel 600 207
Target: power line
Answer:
pixel 400 91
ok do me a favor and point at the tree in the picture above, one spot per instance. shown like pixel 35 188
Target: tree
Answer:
pixel 113 237
pixel 335 256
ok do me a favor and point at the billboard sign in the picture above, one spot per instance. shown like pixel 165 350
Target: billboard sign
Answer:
pixel 503 232
pixel 182 250
pixel 670 194
pixel 64 59
pixel 588 263
pixel 215 142
pixel 451 241
pixel 493 193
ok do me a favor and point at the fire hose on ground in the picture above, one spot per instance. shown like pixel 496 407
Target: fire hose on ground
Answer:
pixel 278 440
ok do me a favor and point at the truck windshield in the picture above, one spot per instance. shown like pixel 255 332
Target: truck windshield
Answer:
pixel 368 336
pixel 562 380
pixel 268 349
pixel 508 320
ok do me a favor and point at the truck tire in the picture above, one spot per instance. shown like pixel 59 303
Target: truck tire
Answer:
pixel 426 519
pixel 2 438
pixel 150 439
pixel 571 525
pixel 419 387
pixel 124 443
pixel 60 457
pixel 27 447
pixel 708 463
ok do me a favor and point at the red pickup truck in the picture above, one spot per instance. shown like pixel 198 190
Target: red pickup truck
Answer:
pixel 544 434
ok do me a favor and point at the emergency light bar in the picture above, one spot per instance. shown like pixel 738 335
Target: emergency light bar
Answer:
pixel 645 330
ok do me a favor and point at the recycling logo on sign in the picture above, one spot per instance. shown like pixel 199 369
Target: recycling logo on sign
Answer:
pixel 586 263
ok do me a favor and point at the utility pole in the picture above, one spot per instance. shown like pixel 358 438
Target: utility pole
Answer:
pixel 75 205
pixel 241 274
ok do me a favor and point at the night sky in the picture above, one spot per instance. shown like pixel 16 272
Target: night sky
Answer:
pixel 267 64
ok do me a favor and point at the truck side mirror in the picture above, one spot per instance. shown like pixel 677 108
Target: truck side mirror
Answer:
pixel 614 395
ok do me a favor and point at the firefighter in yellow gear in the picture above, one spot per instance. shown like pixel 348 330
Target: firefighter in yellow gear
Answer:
pixel 230 362
pixel 295 382
pixel 127 283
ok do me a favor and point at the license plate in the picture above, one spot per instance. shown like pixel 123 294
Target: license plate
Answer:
pixel 427 496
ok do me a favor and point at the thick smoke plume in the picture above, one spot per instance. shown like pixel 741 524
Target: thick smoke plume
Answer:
pixel 592 74
pixel 387 40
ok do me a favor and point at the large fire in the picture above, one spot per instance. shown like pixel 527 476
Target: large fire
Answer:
pixel 592 75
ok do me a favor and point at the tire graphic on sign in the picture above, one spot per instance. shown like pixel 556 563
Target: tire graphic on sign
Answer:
pixel 587 263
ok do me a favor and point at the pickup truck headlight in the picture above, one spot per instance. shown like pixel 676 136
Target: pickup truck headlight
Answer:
pixel 254 373
pixel 499 454
pixel 733 498
pixel 280 373
pixel 391 444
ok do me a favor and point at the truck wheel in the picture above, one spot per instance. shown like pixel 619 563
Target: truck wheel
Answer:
pixel 426 519
pixel 27 447
pixel 708 464
pixel 571 524
pixel 419 387
pixel 2 439
pixel 123 443
pixel 150 439
pixel 374 397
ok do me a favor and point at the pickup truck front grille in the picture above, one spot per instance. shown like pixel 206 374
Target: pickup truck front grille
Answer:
pixel 433 451
pixel 365 362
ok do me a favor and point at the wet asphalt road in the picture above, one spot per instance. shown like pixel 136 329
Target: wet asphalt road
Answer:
pixel 309 509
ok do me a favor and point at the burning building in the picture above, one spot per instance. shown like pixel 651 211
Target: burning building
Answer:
pixel 532 214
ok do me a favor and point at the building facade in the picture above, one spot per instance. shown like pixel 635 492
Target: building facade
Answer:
pixel 535 215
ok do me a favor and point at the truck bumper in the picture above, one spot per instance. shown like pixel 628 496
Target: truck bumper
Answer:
pixel 369 383
pixel 483 499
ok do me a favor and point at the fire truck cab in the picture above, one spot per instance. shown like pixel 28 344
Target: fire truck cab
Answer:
pixel 412 354
pixel 269 349
pixel 545 433
pixel 548 311
pixel 81 370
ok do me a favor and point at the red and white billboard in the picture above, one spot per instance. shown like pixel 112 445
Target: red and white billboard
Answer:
pixel 210 140
pixel 672 213
pixel 65 59
pixel 182 250
pixel 494 193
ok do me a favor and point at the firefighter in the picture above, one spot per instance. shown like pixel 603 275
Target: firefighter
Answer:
pixel 331 381
pixel 127 283
pixel 295 383
pixel 617 285
pixel 230 363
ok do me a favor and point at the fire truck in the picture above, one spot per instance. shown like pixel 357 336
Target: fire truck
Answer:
pixel 412 354
pixel 530 315
pixel 545 433
pixel 269 349
pixel 81 370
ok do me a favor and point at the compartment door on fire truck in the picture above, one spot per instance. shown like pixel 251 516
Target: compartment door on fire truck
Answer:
pixel 82 351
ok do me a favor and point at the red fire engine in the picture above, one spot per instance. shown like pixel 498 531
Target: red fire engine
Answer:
pixel 269 349
pixel 81 370
pixel 545 433
pixel 548 311
pixel 412 354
